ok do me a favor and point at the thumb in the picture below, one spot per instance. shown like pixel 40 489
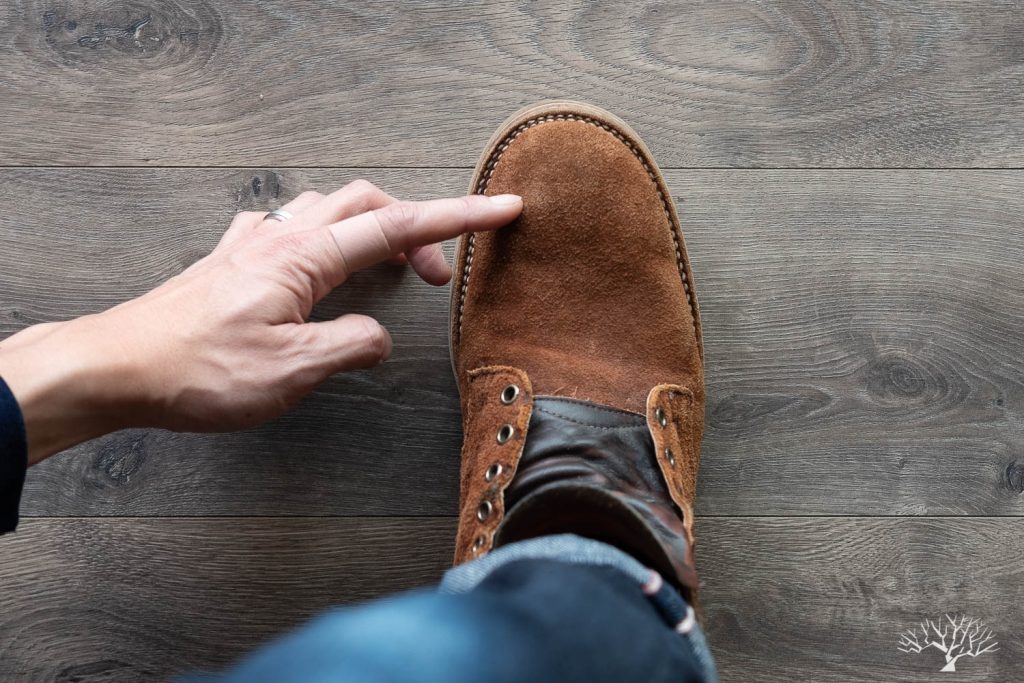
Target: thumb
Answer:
pixel 349 343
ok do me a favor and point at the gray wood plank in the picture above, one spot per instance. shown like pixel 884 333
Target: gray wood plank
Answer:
pixel 304 82
pixel 862 329
pixel 813 599
pixel 825 599
pixel 136 599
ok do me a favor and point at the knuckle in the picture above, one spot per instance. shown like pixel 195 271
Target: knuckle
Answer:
pixel 364 193
pixel 362 186
pixel 243 219
pixel 375 338
pixel 289 242
pixel 295 263
pixel 467 209
pixel 399 216
pixel 286 247
pixel 310 196
pixel 395 221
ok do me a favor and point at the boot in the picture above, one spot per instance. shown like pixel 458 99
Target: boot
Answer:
pixel 576 343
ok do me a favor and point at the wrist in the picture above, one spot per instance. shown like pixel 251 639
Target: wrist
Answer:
pixel 70 382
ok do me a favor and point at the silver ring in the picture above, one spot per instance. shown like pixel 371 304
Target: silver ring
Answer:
pixel 278 215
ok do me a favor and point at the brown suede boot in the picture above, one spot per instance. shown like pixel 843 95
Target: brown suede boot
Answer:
pixel 576 343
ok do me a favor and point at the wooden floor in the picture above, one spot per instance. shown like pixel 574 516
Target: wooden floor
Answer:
pixel 851 183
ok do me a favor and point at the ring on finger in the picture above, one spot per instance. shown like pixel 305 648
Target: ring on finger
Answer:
pixel 278 215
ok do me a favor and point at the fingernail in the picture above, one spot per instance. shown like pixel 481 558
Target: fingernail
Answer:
pixel 505 199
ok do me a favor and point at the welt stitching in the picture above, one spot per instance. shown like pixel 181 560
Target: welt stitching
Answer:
pixel 552 413
pixel 530 123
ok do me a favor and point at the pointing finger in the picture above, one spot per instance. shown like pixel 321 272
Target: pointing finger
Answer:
pixel 354 198
pixel 398 228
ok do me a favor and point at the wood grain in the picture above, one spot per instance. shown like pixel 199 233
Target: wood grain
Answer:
pixel 824 599
pixel 709 83
pixel 863 327
pixel 862 330
pixel 813 599
pixel 138 600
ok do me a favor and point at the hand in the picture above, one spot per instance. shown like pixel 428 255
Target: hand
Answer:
pixel 226 344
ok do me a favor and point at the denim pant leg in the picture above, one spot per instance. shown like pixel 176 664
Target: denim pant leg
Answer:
pixel 557 608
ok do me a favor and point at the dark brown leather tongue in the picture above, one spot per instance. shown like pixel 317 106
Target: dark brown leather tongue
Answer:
pixel 571 440
pixel 590 470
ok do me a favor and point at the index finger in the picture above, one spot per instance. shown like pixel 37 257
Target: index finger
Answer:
pixel 383 233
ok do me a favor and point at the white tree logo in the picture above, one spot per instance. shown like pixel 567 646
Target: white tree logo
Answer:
pixel 959 636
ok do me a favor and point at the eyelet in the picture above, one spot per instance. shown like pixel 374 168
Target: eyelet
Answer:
pixel 670 457
pixel 493 472
pixel 479 543
pixel 659 415
pixel 484 511
pixel 505 433
pixel 509 394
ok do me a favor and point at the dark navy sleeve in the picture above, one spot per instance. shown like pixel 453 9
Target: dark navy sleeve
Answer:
pixel 13 458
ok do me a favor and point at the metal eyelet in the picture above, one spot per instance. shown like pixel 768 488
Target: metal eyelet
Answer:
pixel 484 511
pixel 509 394
pixel 659 415
pixel 493 472
pixel 670 456
pixel 479 543
pixel 505 433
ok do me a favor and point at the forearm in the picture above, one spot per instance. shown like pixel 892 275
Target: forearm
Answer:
pixel 72 384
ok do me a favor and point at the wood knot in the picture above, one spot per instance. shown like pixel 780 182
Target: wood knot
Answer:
pixel 748 41
pixel 120 456
pixel 155 33
pixel 258 191
pixel 1014 476
pixel 897 379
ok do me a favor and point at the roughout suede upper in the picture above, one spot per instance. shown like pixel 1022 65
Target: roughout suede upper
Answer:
pixel 588 295
pixel 585 291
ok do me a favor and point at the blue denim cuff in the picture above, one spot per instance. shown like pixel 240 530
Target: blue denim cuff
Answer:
pixel 574 549
pixel 13 458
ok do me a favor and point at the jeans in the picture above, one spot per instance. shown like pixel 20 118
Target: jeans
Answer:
pixel 556 608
